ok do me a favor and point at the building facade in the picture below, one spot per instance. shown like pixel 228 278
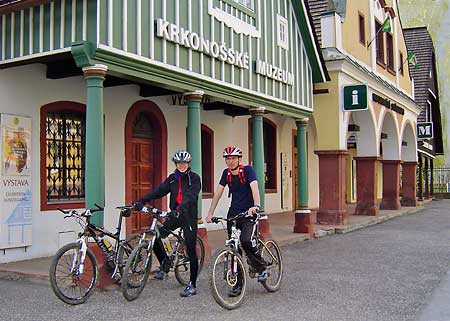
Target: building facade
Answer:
pixel 366 115
pixel 111 89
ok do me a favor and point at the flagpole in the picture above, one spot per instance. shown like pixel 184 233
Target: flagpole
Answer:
pixel 368 45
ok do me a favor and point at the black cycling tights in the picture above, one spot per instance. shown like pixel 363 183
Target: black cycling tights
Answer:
pixel 190 236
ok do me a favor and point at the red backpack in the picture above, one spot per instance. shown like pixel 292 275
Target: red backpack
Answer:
pixel 241 176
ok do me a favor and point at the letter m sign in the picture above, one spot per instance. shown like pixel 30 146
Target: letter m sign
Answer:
pixel 424 130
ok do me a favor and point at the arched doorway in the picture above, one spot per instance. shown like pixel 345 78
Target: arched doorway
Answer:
pixel 145 158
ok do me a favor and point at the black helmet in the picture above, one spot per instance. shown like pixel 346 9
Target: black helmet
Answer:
pixel 182 156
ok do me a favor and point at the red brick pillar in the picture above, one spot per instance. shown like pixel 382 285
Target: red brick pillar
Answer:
pixel 203 234
pixel 104 274
pixel 366 186
pixel 409 182
pixel 391 185
pixel 332 187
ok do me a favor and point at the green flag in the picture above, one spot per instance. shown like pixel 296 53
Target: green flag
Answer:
pixel 386 26
pixel 412 59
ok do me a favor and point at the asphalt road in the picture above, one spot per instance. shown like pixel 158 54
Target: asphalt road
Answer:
pixel 386 272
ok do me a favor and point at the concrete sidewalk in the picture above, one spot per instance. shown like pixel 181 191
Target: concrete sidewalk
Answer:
pixel 281 228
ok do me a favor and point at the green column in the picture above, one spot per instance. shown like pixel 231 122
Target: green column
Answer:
pixel 95 138
pixel 194 136
pixel 258 149
pixel 302 170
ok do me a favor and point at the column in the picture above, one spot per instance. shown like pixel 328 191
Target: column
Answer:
pixel 366 184
pixel 426 174
pixel 194 146
pixel 420 185
pixel 332 187
pixel 409 184
pixel 303 223
pixel 95 139
pixel 258 162
pixel 391 185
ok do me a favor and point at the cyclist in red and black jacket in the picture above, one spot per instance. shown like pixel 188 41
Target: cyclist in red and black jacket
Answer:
pixel 243 186
pixel 184 187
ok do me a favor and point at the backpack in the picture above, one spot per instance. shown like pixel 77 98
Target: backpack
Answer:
pixel 241 176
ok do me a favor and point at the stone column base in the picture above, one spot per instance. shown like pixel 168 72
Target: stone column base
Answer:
pixel 104 274
pixel 366 190
pixel 303 222
pixel 203 234
pixel 412 202
pixel 264 228
pixel 391 185
pixel 332 217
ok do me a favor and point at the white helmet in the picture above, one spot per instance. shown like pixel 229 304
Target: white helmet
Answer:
pixel 232 151
pixel 182 156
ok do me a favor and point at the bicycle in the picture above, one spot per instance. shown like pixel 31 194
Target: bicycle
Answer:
pixel 227 265
pixel 74 271
pixel 137 269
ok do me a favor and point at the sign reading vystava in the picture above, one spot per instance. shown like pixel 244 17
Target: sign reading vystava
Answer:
pixel 424 130
pixel 355 97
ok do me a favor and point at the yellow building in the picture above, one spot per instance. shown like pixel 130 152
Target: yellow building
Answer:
pixel 365 116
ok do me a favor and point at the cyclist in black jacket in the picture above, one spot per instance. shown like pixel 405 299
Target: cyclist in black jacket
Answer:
pixel 184 187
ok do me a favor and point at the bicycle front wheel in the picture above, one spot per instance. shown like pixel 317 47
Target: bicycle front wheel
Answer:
pixel 227 279
pixel 136 271
pixel 183 266
pixel 271 253
pixel 68 282
pixel 125 250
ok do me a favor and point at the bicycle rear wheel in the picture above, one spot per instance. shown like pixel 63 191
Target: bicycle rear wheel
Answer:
pixel 227 273
pixel 182 265
pixel 67 283
pixel 274 265
pixel 136 271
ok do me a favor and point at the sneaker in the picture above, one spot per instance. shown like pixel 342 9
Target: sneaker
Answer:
pixel 235 291
pixel 188 291
pixel 160 275
pixel 262 276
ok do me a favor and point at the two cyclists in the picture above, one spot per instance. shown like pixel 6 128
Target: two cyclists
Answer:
pixel 184 187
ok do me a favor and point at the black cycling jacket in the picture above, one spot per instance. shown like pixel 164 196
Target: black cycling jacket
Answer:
pixel 190 188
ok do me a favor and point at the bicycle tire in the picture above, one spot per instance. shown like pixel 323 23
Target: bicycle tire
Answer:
pixel 221 272
pixel 125 250
pixel 136 271
pixel 274 267
pixel 182 267
pixel 89 276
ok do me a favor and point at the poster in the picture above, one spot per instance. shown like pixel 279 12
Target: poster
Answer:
pixel 15 192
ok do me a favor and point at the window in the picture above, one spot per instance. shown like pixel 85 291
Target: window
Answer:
pixel 390 52
pixel 401 63
pixel 249 4
pixel 207 162
pixel 362 30
pixel 282 30
pixel 270 153
pixel 63 130
pixel 379 44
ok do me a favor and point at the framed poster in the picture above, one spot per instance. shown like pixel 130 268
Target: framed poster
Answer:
pixel 15 191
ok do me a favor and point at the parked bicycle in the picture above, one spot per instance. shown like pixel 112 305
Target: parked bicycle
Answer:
pixel 137 269
pixel 228 269
pixel 74 271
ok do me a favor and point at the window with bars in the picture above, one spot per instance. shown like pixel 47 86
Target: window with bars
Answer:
pixel 64 154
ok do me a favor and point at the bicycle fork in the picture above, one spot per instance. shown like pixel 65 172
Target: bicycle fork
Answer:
pixel 80 257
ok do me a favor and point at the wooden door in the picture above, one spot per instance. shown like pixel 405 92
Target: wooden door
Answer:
pixel 142 170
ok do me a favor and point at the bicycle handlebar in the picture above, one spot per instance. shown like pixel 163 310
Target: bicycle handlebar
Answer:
pixel 234 218
pixel 156 212
pixel 85 213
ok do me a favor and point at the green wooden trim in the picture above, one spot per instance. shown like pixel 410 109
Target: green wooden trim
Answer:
pixel 132 27
pixel 82 53
pixel 8 48
pixel 79 21
pixel 318 69
pixel 129 68
pixel 258 154
pixel 46 27
pixel 91 21
pixel 16 49
pixel 104 14
pixel 57 25
pixel 302 169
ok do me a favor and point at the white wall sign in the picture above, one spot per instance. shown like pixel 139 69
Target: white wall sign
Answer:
pixel 15 191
